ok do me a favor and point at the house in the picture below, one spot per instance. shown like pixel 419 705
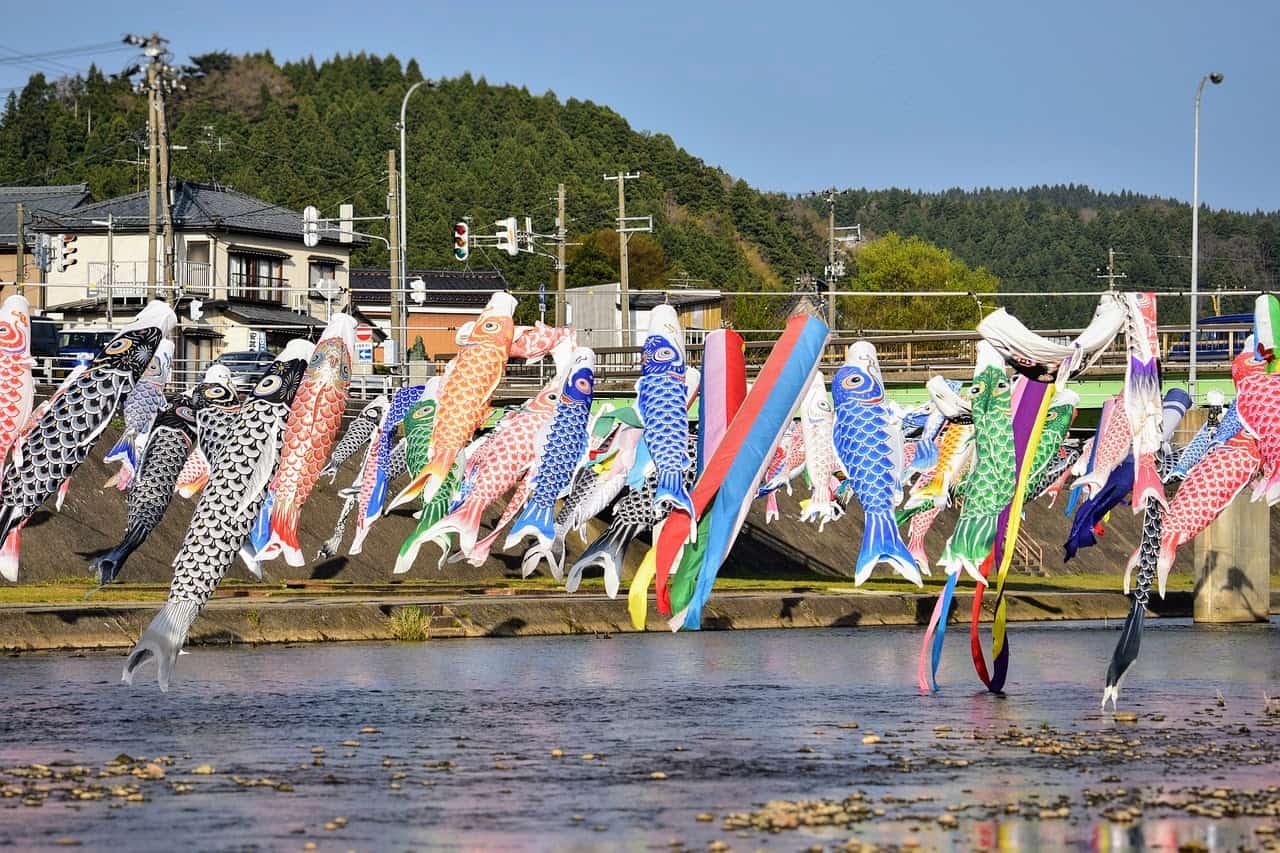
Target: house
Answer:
pixel 596 313
pixel 446 300
pixel 241 256
pixel 36 202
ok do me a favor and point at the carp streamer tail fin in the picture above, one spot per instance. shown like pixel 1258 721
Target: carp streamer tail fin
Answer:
pixel 606 552
pixel 465 521
pixel 108 565
pixel 284 533
pixel 162 641
pixel 431 528
pixel 427 481
pixel 553 555
pixel 534 520
pixel 672 492
pixel 1125 654
pixel 969 545
pixel 882 543
pixel 9 553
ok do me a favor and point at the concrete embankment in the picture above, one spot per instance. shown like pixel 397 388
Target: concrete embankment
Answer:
pixel 38 627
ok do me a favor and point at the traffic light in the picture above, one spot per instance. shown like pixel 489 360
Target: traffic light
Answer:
pixel 310 226
pixel 65 251
pixel 507 236
pixel 44 248
pixel 461 241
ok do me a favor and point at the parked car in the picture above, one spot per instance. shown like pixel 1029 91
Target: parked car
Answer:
pixel 79 346
pixel 246 367
pixel 44 337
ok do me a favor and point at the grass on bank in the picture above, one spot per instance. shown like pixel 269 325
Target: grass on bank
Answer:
pixel 72 590
pixel 409 624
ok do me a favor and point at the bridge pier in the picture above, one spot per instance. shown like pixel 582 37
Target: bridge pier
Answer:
pixel 1232 557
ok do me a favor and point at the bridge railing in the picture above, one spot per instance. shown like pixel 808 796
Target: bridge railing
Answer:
pixel 909 356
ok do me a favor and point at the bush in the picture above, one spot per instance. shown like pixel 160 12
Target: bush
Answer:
pixel 409 624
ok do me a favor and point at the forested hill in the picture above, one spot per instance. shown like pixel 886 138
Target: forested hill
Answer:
pixel 1055 238
pixel 317 133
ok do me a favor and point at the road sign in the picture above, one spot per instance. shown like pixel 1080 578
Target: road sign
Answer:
pixel 364 352
pixel 364 334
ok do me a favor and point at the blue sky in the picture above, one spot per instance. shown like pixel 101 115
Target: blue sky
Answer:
pixel 798 96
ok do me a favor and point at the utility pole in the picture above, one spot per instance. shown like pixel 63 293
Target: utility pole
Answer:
pixel 152 200
pixel 156 49
pixel 850 234
pixel 831 259
pixel 1111 275
pixel 560 236
pixel 20 273
pixel 399 334
pixel 162 146
pixel 625 230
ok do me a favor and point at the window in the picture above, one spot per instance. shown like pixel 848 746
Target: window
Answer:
pixel 322 269
pixel 257 277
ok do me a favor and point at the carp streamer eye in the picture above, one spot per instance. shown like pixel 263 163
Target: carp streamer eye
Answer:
pixel 976 388
pixel 185 413
pixel 583 385
pixel 853 380
pixel 11 334
pixel 664 354
pixel 118 346
pixel 268 384
pixel 491 326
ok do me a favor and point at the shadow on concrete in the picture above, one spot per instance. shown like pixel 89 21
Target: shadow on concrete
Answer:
pixel 508 628
pixel 1236 581
pixel 328 569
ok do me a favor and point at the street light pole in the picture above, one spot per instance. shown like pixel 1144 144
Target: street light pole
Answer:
pixel 1215 78
pixel 403 337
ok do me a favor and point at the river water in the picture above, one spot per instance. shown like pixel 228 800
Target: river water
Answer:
pixel 462 758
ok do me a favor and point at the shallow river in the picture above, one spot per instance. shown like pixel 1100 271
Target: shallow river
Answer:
pixel 463 753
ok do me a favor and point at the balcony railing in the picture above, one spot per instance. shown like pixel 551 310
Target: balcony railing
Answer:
pixel 130 279
pixel 253 286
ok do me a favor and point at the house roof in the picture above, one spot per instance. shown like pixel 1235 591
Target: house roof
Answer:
pixel 196 207
pixel 449 288
pixel 264 315
pixel 277 317
pixel 37 200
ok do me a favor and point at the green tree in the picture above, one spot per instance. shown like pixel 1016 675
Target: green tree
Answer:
pixel 894 265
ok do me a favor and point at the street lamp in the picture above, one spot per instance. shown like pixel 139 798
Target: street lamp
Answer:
pixel 1215 78
pixel 403 338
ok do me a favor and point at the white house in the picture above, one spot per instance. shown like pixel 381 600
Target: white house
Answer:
pixel 241 256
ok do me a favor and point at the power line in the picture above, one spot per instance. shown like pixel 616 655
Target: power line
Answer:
pixel 64 52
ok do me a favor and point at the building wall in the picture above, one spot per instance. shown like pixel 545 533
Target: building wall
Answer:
pixel 9 275
pixel 439 330
pixel 593 312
